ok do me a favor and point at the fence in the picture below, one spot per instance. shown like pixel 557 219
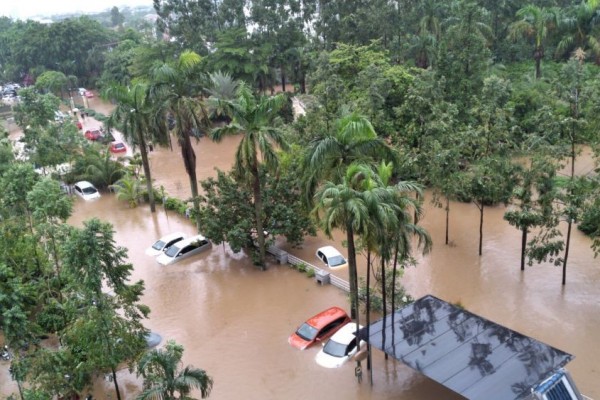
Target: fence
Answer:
pixel 321 276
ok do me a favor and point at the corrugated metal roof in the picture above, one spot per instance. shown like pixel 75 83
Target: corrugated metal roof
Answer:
pixel 470 355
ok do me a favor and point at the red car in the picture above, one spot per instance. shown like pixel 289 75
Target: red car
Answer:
pixel 93 134
pixel 117 147
pixel 319 327
pixel 88 94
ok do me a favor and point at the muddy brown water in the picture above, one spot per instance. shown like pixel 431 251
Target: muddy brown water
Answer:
pixel 234 320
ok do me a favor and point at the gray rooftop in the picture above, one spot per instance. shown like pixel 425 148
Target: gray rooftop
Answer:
pixel 470 355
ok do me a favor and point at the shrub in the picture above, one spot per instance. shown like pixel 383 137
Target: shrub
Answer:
pixel 301 267
pixel 310 272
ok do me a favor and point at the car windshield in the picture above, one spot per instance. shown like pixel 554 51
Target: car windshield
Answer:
pixel 172 251
pixel 335 349
pixel 119 146
pixel 89 190
pixel 307 332
pixel 158 245
pixel 336 260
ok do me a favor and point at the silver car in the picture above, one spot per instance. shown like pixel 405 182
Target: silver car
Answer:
pixel 184 249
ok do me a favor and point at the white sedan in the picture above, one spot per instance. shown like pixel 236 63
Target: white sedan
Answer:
pixel 340 348
pixel 183 249
pixel 164 243
pixel 86 190
pixel 331 257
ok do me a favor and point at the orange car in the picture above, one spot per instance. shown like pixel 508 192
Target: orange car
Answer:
pixel 319 327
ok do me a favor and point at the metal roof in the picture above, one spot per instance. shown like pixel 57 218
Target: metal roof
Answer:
pixel 470 355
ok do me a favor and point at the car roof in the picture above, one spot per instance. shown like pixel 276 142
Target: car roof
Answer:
pixel 84 184
pixel 171 236
pixel 189 240
pixel 329 251
pixel 346 333
pixel 325 317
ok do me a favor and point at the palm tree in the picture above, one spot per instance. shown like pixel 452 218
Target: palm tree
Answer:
pixel 132 115
pixel 329 154
pixel 175 90
pixel 101 169
pixel 342 206
pixel 129 189
pixel 580 23
pixel 223 88
pixel 535 22
pixel 164 380
pixel 254 120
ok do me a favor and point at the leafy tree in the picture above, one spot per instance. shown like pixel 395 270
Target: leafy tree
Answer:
pixel 35 110
pixel 193 24
pixel 129 189
pixel 530 212
pixel 255 120
pixel 164 378
pixel 109 330
pixel 98 168
pixel 116 18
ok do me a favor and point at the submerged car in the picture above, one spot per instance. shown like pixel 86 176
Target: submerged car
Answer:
pixel 86 190
pixel 164 243
pixel 184 249
pixel 93 134
pixel 117 147
pixel 331 257
pixel 340 348
pixel 319 328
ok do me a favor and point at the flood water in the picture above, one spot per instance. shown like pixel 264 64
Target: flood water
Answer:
pixel 233 319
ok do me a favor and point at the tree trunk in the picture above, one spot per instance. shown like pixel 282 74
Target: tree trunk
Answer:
pixel 114 376
pixel 282 78
pixel 481 228
pixel 523 247
pixel 146 165
pixel 447 218
pixel 352 271
pixel 302 83
pixel 260 234
pixel 368 317
pixel 383 293
pixel 189 160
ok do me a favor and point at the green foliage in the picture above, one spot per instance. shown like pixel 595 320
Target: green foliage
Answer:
pixel 164 377
pixel 310 272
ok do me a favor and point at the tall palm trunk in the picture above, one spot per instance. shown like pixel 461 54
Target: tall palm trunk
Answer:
pixel 189 160
pixel 383 292
pixel 260 234
pixel 146 165
pixel 352 278
pixel 368 316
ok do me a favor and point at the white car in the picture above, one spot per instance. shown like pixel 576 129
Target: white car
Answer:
pixel 340 348
pixel 331 257
pixel 86 190
pixel 164 243
pixel 183 249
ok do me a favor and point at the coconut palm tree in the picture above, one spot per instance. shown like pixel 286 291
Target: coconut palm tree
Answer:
pixel 579 23
pixel 223 88
pixel 133 116
pixel 176 90
pixel 163 378
pixel 342 206
pixel 535 22
pixel 329 154
pixel 254 118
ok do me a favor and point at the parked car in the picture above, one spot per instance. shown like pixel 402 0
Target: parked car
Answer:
pixel 117 147
pixel 86 190
pixel 184 249
pixel 340 348
pixel 319 328
pixel 164 243
pixel 331 257
pixel 89 94
pixel 93 134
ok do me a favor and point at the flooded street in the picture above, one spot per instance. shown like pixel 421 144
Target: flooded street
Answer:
pixel 233 319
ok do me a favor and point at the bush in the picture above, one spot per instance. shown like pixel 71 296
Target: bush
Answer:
pixel 301 267
pixel 310 272
pixel 590 222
